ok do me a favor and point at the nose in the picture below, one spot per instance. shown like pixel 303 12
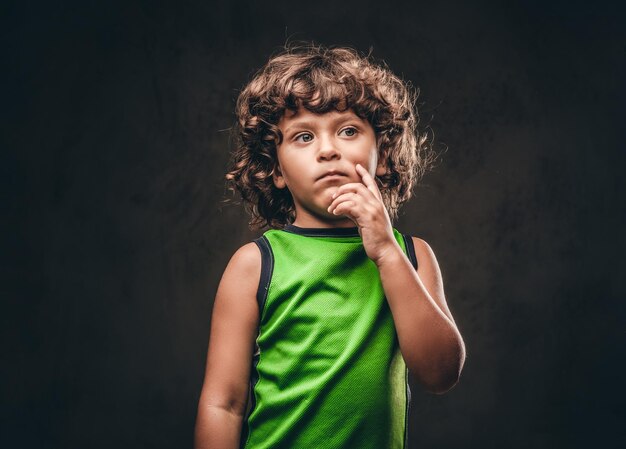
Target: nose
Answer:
pixel 328 150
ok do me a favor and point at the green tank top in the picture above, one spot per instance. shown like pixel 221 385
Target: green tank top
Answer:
pixel 327 371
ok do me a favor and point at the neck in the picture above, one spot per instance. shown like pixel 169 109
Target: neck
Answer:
pixel 314 222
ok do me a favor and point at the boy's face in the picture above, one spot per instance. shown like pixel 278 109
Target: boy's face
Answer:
pixel 318 154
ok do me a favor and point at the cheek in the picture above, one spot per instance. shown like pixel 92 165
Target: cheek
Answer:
pixel 369 159
pixel 373 162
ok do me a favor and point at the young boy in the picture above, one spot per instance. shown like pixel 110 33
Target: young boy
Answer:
pixel 317 324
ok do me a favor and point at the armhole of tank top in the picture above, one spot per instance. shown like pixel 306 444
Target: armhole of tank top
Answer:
pixel 410 249
pixel 407 409
pixel 267 267
pixel 410 252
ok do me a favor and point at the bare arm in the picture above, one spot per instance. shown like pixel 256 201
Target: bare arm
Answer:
pixel 429 339
pixel 234 324
pixel 430 342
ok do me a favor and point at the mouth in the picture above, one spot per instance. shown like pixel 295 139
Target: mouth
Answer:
pixel 332 174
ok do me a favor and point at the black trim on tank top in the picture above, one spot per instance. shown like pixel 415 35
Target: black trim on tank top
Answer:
pixel 267 267
pixel 322 232
pixel 407 410
pixel 410 252
pixel 410 249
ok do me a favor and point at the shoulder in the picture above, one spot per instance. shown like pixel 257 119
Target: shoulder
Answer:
pixel 427 265
pixel 247 259
pixel 423 252
pixel 419 251
pixel 241 276
pixel 430 273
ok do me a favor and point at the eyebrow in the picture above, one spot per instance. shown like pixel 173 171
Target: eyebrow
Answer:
pixel 313 123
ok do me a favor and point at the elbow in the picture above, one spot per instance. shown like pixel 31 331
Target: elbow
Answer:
pixel 444 372
pixel 451 373
pixel 442 383
pixel 437 381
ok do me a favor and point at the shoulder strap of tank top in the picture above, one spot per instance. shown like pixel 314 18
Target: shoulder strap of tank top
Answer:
pixel 410 249
pixel 267 267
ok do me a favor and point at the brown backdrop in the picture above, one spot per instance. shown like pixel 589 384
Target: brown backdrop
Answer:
pixel 115 130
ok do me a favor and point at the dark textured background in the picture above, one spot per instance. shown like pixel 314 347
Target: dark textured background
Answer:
pixel 115 141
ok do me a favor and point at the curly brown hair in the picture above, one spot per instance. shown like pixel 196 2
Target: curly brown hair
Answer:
pixel 322 79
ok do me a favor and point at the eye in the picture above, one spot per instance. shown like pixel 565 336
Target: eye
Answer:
pixel 349 131
pixel 304 137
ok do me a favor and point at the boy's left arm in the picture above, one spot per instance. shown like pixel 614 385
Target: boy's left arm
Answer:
pixel 430 342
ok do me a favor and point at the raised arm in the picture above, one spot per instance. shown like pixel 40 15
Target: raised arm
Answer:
pixel 234 323
pixel 429 339
pixel 430 342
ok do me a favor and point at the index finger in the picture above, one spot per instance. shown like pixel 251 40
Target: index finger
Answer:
pixel 368 181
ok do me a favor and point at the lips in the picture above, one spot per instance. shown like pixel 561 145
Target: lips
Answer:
pixel 331 173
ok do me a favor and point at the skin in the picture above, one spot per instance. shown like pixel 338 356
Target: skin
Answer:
pixel 314 145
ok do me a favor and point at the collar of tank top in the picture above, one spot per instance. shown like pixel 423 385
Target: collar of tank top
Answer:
pixel 322 232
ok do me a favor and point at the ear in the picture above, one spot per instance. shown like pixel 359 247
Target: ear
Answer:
pixel 278 178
